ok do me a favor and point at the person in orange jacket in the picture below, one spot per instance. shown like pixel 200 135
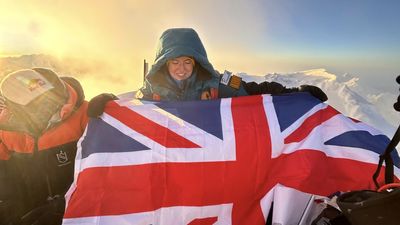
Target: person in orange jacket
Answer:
pixel 42 117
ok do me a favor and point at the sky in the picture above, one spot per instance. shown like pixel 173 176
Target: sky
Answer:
pixel 359 37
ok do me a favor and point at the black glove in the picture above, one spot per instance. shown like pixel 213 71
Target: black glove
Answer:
pixel 396 105
pixel 97 104
pixel 253 88
pixel 314 91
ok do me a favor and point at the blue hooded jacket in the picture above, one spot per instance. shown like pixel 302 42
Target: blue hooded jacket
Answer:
pixel 175 43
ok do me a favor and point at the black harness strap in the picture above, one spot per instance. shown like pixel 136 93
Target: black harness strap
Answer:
pixel 385 156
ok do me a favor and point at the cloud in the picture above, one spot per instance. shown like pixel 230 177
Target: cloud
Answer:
pixel 115 28
pixel 122 33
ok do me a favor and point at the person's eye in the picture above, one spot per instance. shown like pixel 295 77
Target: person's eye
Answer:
pixel 175 62
pixel 188 61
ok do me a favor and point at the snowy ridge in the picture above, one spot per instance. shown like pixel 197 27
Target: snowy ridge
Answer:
pixel 345 94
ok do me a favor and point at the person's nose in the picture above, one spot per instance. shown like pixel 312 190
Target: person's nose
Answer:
pixel 181 67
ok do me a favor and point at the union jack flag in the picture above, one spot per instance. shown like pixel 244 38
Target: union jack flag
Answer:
pixel 216 162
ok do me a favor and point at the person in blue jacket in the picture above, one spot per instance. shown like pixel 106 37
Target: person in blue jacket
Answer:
pixel 182 71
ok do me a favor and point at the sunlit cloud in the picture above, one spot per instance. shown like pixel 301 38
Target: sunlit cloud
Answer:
pixel 123 33
pixel 121 28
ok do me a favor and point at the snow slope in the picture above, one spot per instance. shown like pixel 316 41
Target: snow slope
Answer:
pixel 345 94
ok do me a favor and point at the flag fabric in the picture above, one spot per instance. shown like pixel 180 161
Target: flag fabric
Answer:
pixel 217 162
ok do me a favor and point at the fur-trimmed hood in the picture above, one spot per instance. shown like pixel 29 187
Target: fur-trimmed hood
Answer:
pixel 178 42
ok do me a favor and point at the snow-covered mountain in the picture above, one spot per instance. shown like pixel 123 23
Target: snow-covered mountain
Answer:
pixel 345 92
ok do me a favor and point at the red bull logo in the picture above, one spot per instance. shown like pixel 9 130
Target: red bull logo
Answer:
pixel 35 83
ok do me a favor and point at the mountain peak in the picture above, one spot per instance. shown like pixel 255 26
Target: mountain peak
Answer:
pixel 321 72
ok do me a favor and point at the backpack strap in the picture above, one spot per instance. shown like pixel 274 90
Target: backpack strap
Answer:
pixel 385 156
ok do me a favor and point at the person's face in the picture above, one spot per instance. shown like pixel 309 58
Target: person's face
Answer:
pixel 180 68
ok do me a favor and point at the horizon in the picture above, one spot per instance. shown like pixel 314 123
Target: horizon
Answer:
pixel 97 75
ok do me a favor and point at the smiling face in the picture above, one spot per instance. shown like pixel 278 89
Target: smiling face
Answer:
pixel 180 68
